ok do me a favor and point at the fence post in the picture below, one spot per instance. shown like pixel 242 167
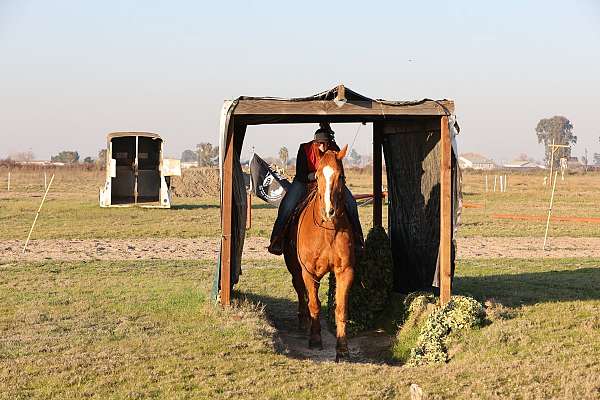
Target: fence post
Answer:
pixel 9 181
pixel 486 184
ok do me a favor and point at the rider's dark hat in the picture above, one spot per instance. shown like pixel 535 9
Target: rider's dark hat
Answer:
pixel 324 134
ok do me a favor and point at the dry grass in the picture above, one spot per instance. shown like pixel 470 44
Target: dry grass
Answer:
pixel 148 330
pixel 577 195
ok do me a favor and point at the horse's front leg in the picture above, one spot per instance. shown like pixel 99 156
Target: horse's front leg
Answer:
pixel 343 281
pixel 314 308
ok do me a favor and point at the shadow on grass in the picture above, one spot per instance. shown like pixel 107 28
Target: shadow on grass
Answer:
pixel 372 347
pixel 194 206
pixel 262 206
pixel 534 287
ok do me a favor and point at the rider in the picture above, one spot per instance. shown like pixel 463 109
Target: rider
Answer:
pixel 306 167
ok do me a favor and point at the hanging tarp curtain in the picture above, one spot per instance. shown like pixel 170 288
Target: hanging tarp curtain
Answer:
pixel 413 176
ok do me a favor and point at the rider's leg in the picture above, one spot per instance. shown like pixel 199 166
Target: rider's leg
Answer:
pixel 293 195
pixel 352 210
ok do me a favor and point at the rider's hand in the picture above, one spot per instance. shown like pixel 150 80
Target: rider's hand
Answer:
pixel 311 176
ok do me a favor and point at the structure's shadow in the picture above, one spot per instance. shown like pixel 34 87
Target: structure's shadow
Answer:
pixel 263 206
pixel 514 290
pixel 368 347
pixel 194 206
pixel 511 290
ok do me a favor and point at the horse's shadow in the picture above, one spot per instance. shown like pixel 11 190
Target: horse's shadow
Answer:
pixel 367 347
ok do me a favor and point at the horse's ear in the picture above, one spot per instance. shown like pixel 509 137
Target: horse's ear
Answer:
pixel 342 153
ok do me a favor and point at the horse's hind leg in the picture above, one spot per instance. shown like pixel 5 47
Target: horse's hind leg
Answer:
pixel 343 281
pixel 298 282
pixel 314 307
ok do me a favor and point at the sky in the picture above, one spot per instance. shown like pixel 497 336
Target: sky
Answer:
pixel 73 71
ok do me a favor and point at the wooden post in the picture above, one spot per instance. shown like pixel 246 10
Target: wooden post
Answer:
pixel 495 179
pixel 248 210
pixel 37 215
pixel 377 167
pixel 550 210
pixel 551 160
pixel 486 184
pixel 227 220
pixel 8 186
pixel 445 211
pixel 45 185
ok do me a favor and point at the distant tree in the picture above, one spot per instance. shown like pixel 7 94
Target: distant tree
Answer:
pixel 22 156
pixel 355 158
pixel 207 154
pixel 283 155
pixel 88 160
pixel 522 157
pixel 560 130
pixel 101 160
pixel 189 156
pixel 66 156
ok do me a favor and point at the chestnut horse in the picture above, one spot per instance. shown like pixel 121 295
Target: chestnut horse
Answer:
pixel 324 243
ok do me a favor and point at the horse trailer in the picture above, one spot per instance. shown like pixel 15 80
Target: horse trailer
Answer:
pixel 136 172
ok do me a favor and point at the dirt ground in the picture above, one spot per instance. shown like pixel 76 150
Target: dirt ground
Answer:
pixel 255 248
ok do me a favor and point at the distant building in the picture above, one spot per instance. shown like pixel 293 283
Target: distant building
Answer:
pixel 523 164
pixel 475 161
pixel 189 164
pixel 574 163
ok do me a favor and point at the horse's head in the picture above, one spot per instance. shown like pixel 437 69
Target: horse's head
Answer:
pixel 330 182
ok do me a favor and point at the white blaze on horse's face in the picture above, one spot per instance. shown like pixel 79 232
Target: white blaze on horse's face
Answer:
pixel 328 174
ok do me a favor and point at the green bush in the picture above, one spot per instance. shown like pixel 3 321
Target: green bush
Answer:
pixel 373 280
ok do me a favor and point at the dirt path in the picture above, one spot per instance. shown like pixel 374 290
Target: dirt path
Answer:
pixel 368 347
pixel 255 248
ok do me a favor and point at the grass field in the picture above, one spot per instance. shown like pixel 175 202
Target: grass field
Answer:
pixel 72 211
pixel 148 330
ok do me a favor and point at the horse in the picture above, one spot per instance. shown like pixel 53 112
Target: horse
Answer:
pixel 323 238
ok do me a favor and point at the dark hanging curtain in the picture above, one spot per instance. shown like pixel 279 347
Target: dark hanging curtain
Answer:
pixel 412 162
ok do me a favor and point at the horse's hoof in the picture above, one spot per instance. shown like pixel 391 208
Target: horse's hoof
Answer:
pixel 342 356
pixel 315 344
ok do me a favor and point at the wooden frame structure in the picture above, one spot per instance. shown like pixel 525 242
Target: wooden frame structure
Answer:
pixel 337 105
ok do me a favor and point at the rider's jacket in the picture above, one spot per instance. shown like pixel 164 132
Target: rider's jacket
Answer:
pixel 307 159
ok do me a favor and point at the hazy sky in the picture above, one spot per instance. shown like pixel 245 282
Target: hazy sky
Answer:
pixel 72 71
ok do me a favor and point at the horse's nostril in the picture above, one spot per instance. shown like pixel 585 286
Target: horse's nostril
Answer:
pixel 331 212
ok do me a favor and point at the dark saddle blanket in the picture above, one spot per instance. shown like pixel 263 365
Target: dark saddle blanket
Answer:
pixel 311 192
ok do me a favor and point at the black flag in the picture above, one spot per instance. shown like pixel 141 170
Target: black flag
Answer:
pixel 266 183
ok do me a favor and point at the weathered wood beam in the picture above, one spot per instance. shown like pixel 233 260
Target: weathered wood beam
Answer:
pixel 326 107
pixel 227 214
pixel 445 212
pixel 377 170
